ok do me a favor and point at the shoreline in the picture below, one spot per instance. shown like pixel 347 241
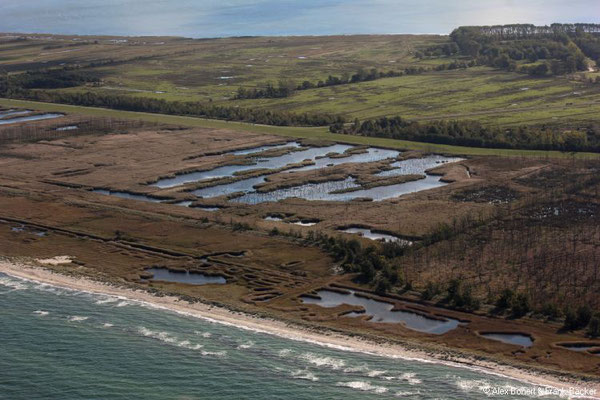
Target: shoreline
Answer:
pixel 32 272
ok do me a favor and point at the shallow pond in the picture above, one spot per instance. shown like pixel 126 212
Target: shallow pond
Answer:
pixel 382 312
pixel 371 155
pixel 29 118
pixel 304 223
pixel 23 228
pixel 260 149
pixel 13 113
pixel 245 185
pixel 259 163
pixel 369 234
pixel 191 278
pixel 185 203
pixel 127 195
pixel 580 346
pixel 417 166
pixel 323 191
pixel 67 128
pixel 208 208
pixel 517 339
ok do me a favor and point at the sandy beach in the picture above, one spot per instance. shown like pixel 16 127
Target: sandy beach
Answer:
pixel 33 272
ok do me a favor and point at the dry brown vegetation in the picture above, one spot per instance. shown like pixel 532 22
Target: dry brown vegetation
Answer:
pixel 512 235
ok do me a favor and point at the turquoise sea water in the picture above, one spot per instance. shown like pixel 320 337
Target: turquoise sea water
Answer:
pixel 209 18
pixel 62 344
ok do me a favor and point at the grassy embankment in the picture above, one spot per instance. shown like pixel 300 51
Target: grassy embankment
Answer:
pixel 296 132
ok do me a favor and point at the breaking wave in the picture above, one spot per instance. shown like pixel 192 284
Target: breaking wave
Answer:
pixel 168 338
pixel 77 318
pixel 364 386
pixel 304 374
pixel 320 361
pixel 12 284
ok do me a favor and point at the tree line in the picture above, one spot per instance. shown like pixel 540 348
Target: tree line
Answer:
pixel 474 134
pixel 24 86
pixel 48 79
pixel 287 88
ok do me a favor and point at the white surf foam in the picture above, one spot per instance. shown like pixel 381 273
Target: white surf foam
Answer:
pixel 77 318
pixel 186 344
pixel 41 313
pixel 107 300
pixel 246 345
pixel 284 352
pixel 305 375
pixel 320 361
pixel 410 378
pixel 364 369
pixel 356 368
pixel 402 394
pixel 221 353
pixel 12 284
pixel 162 336
pixel 364 386
pixel 171 339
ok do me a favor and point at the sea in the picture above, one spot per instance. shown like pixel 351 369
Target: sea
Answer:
pixel 57 343
pixel 210 18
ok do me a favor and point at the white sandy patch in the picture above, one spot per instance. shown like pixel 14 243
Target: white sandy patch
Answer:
pixel 58 260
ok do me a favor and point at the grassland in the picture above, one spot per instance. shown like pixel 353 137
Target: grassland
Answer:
pixel 212 70
pixel 480 93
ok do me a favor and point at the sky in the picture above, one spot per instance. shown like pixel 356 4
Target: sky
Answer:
pixel 211 18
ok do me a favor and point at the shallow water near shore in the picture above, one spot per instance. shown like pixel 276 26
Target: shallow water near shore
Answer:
pixel 70 345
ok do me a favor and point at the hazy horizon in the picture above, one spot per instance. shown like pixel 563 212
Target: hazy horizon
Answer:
pixel 204 19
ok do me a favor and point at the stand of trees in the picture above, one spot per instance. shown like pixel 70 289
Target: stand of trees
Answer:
pixel 268 92
pixel 474 134
pixel 372 265
pixel 557 49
